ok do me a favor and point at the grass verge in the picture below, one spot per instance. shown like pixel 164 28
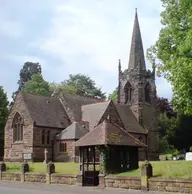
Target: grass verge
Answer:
pixel 163 169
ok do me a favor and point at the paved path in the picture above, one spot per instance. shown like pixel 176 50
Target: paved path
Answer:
pixel 16 188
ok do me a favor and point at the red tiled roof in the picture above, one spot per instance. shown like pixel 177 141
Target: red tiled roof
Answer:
pixel 108 134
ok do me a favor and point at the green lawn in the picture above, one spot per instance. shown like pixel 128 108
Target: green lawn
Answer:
pixel 67 168
pixel 165 169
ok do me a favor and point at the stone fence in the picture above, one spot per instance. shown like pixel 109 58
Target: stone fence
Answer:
pixel 145 182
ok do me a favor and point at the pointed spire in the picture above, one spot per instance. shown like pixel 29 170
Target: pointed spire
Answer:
pixel 119 67
pixel 136 58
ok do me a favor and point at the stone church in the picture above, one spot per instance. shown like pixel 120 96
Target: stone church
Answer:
pixel 38 123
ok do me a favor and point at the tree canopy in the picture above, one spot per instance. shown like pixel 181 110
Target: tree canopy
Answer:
pixel 114 95
pixel 3 109
pixel 37 85
pixel 29 69
pixel 172 53
pixel 62 87
pixel 180 132
pixel 164 106
pixel 84 86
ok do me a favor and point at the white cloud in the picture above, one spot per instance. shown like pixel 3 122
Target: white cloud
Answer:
pixel 101 31
pixel 86 36
pixel 164 88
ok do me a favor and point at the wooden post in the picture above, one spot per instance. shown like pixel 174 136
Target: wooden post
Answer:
pixel 102 173
pixel 87 152
pixel 83 165
pixel 93 150
pixel 79 179
pixel 146 173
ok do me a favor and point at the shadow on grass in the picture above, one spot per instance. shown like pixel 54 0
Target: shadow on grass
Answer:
pixel 134 173
pixel 157 175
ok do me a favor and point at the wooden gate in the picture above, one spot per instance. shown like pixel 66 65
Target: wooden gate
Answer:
pixel 88 165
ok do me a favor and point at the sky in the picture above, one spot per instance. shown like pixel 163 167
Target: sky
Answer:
pixel 74 36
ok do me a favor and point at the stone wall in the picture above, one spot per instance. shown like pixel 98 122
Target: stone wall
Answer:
pixel 123 182
pixel 39 148
pixel 63 179
pixel 69 155
pixel 35 177
pixel 170 185
pixel 11 176
pixel 14 150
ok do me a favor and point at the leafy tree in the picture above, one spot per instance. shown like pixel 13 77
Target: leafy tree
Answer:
pixel 114 95
pixel 3 109
pixel 172 53
pixel 165 125
pixel 84 85
pixel 164 106
pixel 180 133
pixel 37 85
pixel 57 88
pixel 29 69
pixel 164 147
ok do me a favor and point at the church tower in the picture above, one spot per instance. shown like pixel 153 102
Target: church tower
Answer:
pixel 137 90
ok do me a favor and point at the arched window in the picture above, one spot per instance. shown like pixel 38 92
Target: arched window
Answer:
pixel 17 128
pixel 128 92
pixel 63 147
pixel 43 136
pixel 147 93
pixel 48 137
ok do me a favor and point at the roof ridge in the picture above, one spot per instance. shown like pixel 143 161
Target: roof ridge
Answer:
pixel 90 131
pixel 26 93
pixel 88 97
pixel 97 103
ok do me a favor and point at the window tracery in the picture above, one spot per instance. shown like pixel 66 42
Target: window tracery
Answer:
pixel 17 127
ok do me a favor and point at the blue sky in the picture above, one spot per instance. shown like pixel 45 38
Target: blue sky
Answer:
pixel 74 36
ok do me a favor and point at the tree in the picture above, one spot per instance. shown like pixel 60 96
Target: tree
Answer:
pixel 114 95
pixel 172 53
pixel 84 85
pixel 3 109
pixel 180 133
pixel 37 85
pixel 165 125
pixel 29 69
pixel 164 106
pixel 57 88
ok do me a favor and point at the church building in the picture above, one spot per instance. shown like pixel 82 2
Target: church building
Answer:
pixel 39 123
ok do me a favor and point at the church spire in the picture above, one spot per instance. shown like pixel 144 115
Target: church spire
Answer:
pixel 136 58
